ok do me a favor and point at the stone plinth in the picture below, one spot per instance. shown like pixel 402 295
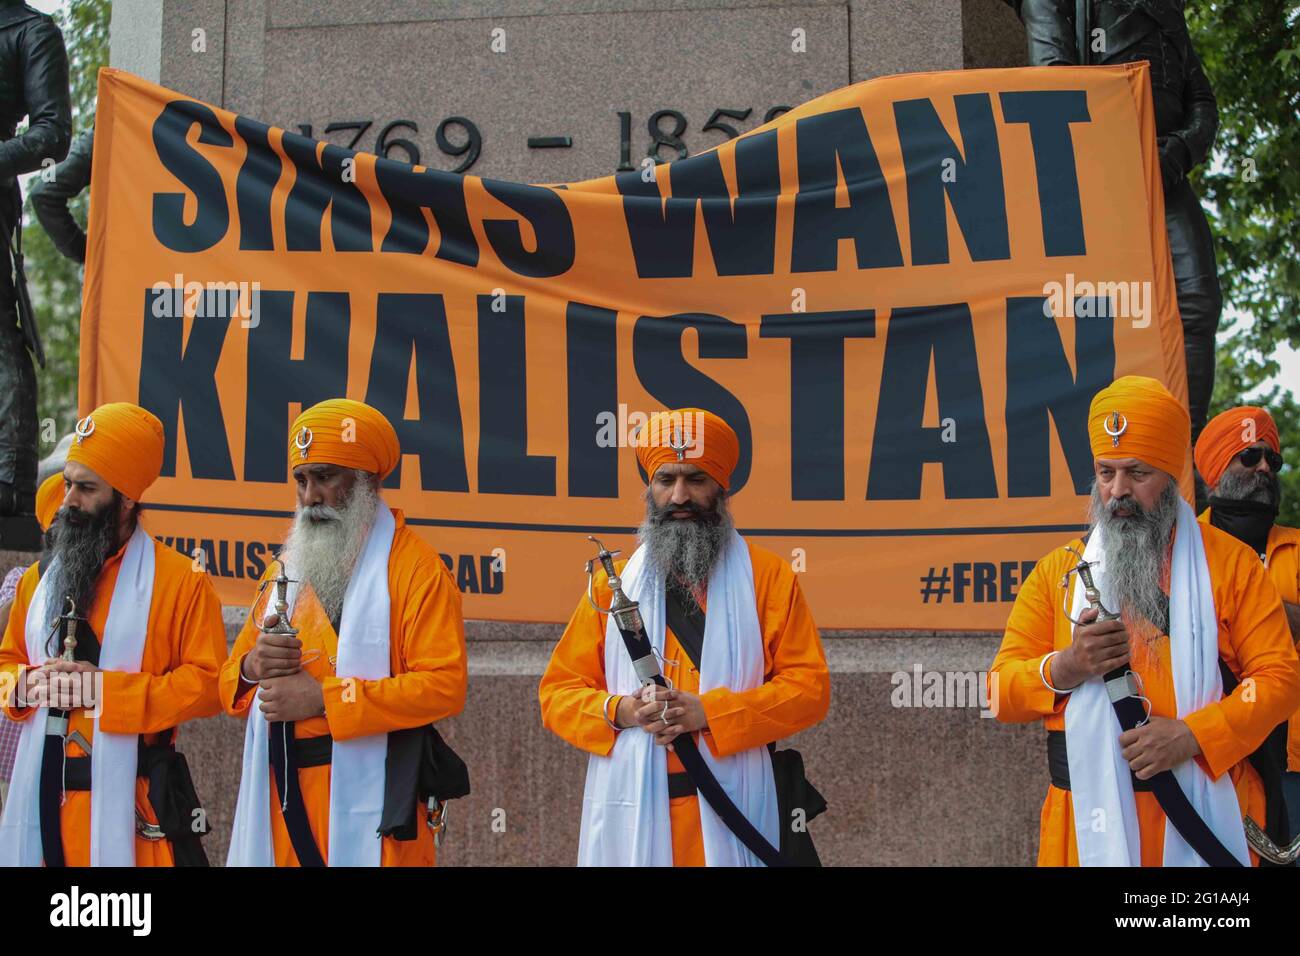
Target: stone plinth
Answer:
pixel 905 785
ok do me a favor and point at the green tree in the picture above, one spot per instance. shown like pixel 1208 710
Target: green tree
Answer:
pixel 1251 54
pixel 55 281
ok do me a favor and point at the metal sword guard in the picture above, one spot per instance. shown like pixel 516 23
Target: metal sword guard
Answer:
pixel 66 625
pixel 281 584
pixel 1091 593
pixel 622 609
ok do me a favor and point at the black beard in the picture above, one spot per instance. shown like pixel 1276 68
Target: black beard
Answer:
pixel 84 542
pixel 685 549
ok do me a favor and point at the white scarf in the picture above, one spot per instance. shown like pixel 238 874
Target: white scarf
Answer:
pixel 112 756
pixel 625 819
pixel 357 766
pixel 1105 814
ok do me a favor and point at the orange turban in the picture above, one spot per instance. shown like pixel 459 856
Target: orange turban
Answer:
pixel 1136 417
pixel 346 433
pixel 123 444
pixel 49 499
pixel 1230 433
pixel 706 441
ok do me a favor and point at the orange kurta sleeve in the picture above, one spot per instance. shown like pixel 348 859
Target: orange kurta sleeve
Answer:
pixel 429 683
pixel 1255 640
pixel 228 683
pixel 13 648
pixel 796 691
pixel 573 687
pixel 145 703
pixel 1014 681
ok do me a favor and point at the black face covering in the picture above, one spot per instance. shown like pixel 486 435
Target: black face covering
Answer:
pixel 1247 521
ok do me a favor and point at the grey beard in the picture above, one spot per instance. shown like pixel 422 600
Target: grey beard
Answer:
pixel 1136 556
pixel 323 545
pixel 1259 486
pixel 84 542
pixel 685 550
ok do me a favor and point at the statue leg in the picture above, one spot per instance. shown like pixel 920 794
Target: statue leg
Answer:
pixel 18 432
pixel 1200 302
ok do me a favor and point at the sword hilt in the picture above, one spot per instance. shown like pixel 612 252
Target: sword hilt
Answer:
pixel 622 608
pixel 1091 593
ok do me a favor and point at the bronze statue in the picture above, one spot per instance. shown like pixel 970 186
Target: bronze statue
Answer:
pixel 33 83
pixel 1187 117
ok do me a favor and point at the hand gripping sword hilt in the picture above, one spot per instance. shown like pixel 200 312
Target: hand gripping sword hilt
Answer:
pixel 281 584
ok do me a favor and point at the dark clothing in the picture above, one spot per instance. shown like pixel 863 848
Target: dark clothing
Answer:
pixel 50 198
pixel 33 83
pixel 1187 118
pixel 1133 30
pixel 1196 283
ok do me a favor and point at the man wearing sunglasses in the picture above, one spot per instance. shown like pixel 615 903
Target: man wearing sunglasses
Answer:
pixel 1239 455
pixel 1182 678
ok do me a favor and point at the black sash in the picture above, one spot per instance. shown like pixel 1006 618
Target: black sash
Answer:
pixel 52 795
pixel 419 766
pixel 171 794
pixel 686 618
pixel 793 788
pixel 1178 809
pixel 638 646
pixel 50 799
pixel 1130 711
pixel 285 764
pixel 1269 761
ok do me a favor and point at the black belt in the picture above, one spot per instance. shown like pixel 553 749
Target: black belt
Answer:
pixel 312 751
pixel 171 794
pixel 1058 764
pixel 76 772
pixel 1130 711
pixel 643 661
pixel 284 749
pixel 679 785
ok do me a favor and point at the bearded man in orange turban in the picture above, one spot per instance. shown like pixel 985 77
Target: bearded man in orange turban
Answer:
pixel 1200 647
pixel 340 715
pixel 1240 454
pixel 743 677
pixel 97 780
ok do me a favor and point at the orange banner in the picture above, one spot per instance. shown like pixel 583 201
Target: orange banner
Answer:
pixel 902 296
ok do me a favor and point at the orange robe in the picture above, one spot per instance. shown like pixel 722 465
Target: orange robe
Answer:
pixel 1253 639
pixel 177 681
pixel 796 692
pixel 427 659
pixel 1282 559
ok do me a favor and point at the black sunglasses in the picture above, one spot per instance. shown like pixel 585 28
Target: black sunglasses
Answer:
pixel 1251 456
